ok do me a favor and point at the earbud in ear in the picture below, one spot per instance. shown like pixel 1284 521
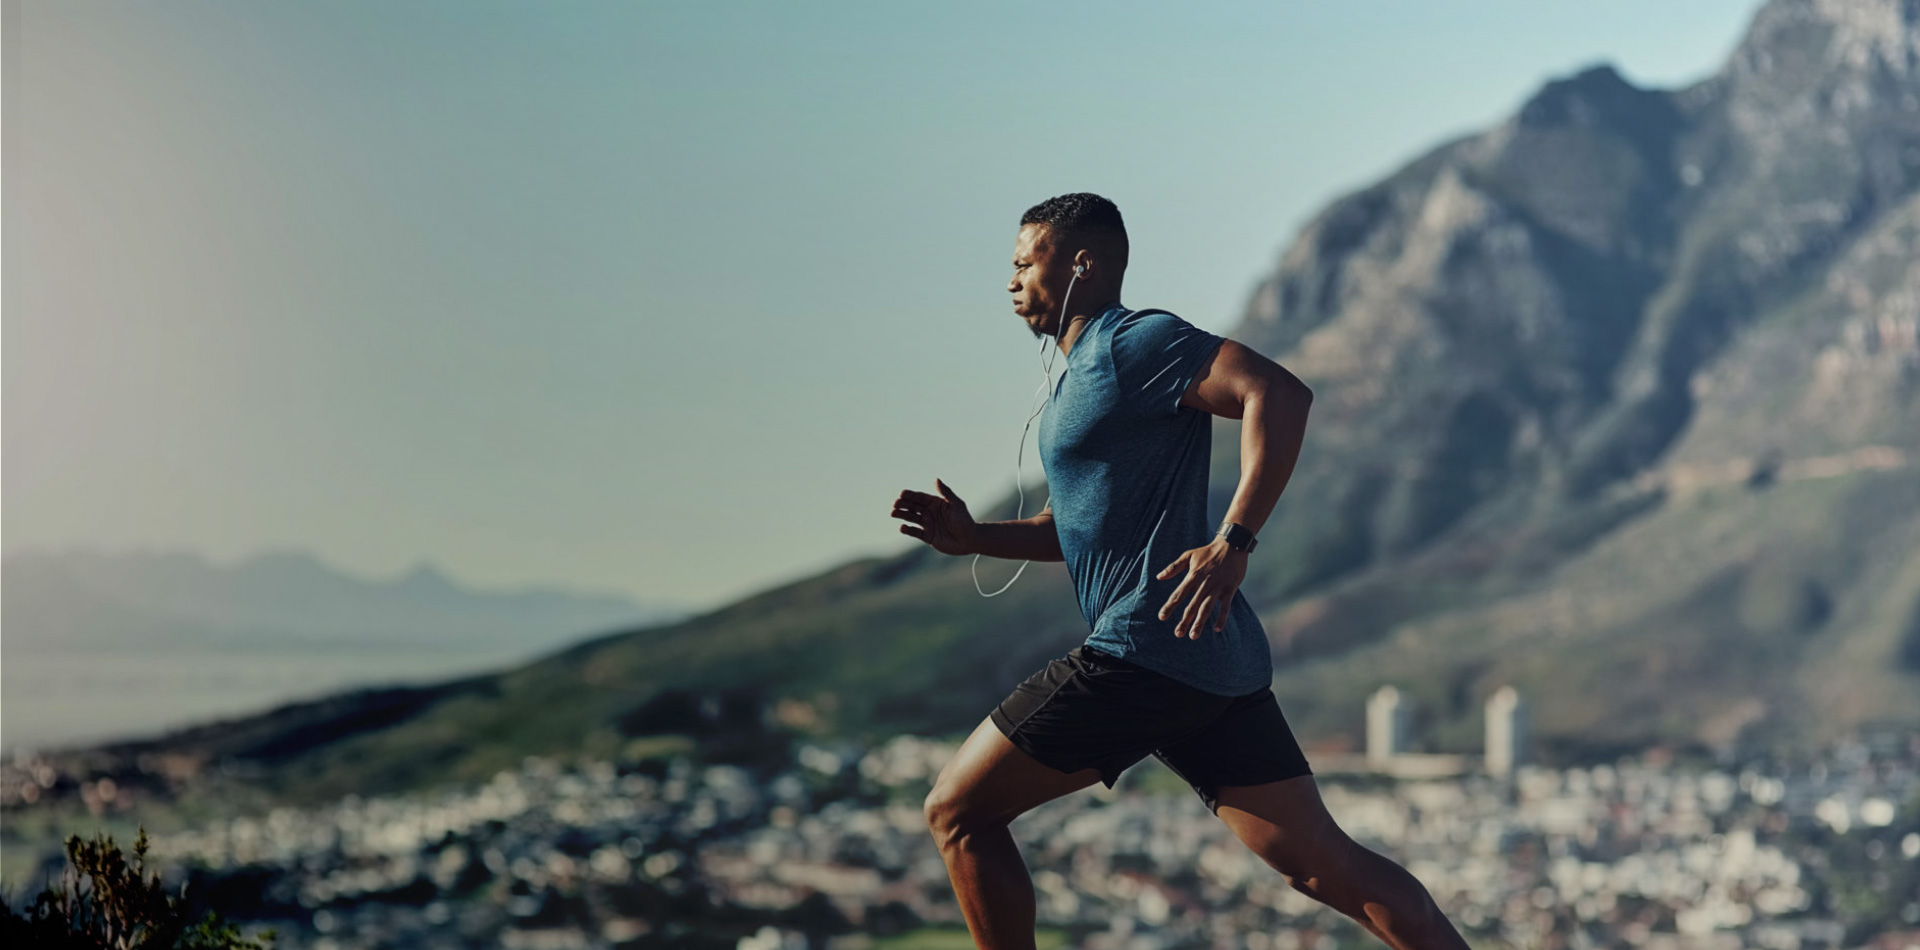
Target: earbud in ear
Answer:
pixel 1079 270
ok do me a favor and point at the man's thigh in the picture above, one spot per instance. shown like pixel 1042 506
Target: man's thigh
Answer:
pixel 1285 823
pixel 989 779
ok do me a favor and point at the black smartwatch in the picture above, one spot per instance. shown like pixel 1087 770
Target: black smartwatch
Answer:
pixel 1238 537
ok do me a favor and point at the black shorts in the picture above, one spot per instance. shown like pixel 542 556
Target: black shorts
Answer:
pixel 1091 709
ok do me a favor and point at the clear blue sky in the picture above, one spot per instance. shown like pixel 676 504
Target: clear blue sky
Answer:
pixel 670 299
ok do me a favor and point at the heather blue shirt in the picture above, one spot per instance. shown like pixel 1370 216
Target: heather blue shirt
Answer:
pixel 1126 472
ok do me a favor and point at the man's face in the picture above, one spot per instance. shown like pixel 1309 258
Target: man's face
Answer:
pixel 1039 278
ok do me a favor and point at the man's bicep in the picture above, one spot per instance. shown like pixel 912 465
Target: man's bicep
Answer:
pixel 1233 373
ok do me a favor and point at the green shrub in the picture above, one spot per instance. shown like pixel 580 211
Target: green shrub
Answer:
pixel 103 903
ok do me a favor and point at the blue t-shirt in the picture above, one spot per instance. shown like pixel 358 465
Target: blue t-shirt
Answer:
pixel 1126 469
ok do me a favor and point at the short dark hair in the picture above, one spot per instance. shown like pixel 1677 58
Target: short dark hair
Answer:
pixel 1081 216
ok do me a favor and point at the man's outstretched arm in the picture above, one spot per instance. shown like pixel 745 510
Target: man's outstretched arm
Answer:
pixel 943 522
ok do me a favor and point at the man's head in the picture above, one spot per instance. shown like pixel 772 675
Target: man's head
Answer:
pixel 1056 235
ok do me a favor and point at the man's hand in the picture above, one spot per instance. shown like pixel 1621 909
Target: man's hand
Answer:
pixel 1214 572
pixel 940 520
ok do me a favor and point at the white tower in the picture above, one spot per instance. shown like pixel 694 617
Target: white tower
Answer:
pixel 1506 731
pixel 1387 714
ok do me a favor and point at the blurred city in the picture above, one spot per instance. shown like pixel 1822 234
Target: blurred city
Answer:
pixel 834 852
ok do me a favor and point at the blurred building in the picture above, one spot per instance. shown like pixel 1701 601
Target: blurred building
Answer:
pixel 1389 737
pixel 1388 713
pixel 1506 736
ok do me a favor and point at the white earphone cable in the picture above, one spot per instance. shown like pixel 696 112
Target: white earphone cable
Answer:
pixel 1046 384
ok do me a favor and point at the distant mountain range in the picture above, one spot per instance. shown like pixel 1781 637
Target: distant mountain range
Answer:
pixel 92 599
pixel 109 644
pixel 1617 402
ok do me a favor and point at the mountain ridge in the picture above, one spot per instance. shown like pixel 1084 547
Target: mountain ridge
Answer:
pixel 291 591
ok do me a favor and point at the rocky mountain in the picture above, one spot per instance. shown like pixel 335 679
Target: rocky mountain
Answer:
pixel 1617 402
pixel 1620 401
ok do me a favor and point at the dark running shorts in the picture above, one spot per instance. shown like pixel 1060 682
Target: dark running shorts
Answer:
pixel 1091 709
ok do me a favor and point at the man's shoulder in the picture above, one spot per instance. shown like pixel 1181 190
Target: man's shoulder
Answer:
pixel 1146 320
pixel 1154 356
pixel 1116 321
pixel 1132 315
pixel 1147 330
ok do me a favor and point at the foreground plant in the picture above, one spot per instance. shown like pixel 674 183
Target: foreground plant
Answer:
pixel 102 901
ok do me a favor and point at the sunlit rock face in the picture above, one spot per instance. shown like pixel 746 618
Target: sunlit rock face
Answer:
pixel 1544 353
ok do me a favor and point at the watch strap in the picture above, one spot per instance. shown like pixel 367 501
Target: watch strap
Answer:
pixel 1237 536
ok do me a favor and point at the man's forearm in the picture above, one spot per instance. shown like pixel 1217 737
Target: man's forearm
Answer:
pixel 1030 539
pixel 1272 426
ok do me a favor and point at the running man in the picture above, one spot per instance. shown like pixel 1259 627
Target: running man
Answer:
pixel 1177 664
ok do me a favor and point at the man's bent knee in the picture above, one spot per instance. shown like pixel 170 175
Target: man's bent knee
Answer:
pixel 989 782
pixel 952 818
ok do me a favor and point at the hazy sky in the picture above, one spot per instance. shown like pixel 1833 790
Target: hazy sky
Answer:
pixel 670 299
